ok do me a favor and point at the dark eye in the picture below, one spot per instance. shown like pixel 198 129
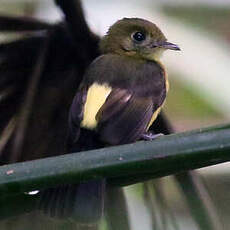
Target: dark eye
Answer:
pixel 138 36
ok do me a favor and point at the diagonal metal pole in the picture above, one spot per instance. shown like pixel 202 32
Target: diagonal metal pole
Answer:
pixel 142 161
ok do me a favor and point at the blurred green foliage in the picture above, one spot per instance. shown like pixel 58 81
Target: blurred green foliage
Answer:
pixel 184 102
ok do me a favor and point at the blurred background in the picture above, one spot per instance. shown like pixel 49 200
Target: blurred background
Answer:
pixel 199 78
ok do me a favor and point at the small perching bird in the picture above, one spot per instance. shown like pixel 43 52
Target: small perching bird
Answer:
pixel 124 89
pixel 121 94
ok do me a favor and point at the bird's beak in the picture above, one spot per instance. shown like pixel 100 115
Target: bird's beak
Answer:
pixel 168 45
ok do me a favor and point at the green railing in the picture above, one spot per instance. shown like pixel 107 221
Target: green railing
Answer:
pixel 122 165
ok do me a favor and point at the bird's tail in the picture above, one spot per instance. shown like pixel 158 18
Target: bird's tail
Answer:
pixel 83 203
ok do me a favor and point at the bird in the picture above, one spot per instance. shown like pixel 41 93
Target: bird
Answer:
pixel 122 92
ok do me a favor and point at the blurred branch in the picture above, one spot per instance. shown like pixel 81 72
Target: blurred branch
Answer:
pixel 26 108
pixel 74 16
pixel 21 24
pixel 116 209
pixel 162 216
pixel 85 40
pixel 199 201
pixel 164 156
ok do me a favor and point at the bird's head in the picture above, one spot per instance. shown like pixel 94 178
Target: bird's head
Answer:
pixel 136 37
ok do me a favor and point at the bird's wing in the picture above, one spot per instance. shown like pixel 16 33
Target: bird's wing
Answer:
pixel 124 117
pixel 75 118
pixel 120 99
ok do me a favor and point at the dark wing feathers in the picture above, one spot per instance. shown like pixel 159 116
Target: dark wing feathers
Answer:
pixel 138 90
pixel 115 102
pixel 122 119
pixel 75 118
pixel 125 119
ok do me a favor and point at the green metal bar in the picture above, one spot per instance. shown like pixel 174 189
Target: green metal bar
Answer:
pixel 123 164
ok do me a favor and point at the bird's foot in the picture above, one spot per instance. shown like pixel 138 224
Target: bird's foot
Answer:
pixel 148 136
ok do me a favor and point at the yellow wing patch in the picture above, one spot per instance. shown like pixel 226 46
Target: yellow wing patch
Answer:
pixel 96 97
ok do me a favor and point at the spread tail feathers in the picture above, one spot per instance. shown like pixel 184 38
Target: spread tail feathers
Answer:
pixel 83 203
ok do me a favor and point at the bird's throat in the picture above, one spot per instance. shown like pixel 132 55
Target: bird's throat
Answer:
pixel 155 56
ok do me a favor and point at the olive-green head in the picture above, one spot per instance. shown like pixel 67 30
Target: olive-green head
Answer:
pixel 135 37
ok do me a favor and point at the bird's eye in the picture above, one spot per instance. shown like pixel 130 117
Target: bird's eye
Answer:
pixel 138 36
